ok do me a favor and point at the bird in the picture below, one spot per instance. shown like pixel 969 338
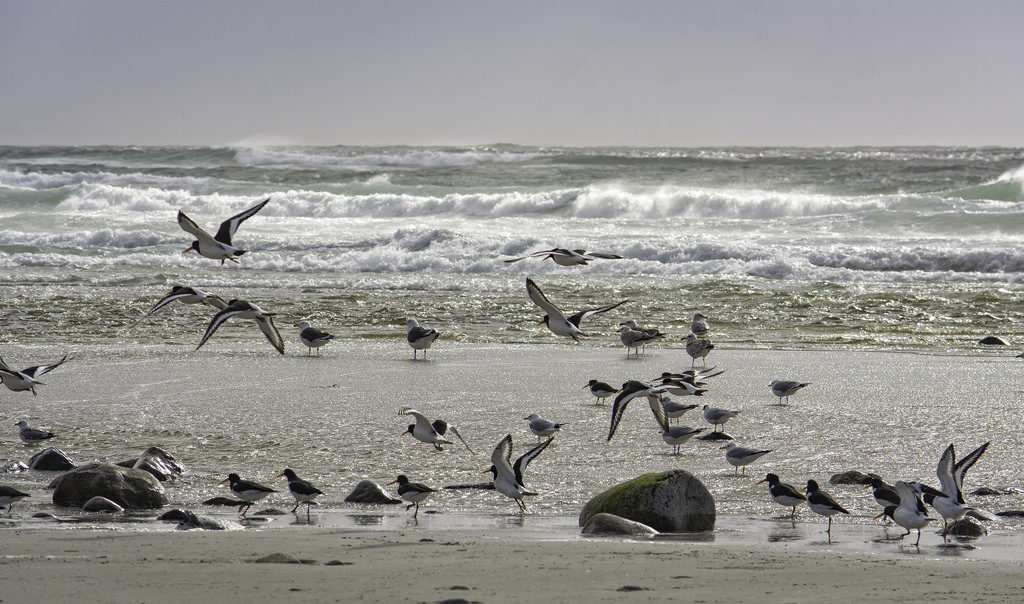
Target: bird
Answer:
pixel 823 504
pixel 673 409
pixel 19 381
pixel 312 337
pixel 783 494
pixel 600 390
pixel 679 387
pixel 699 327
pixel 631 390
pixel 218 247
pixel 301 490
pixel 741 456
pixel 508 477
pixel 30 435
pixel 633 338
pixel 950 502
pixel 430 432
pixel 910 513
pixel 698 348
pixel 676 436
pixel 9 496
pixel 246 310
pixel 785 388
pixel 717 417
pixel 247 490
pixel 542 427
pixel 186 295
pixel 556 321
pixel 419 338
pixel 883 493
pixel 564 257
pixel 413 492
pixel 651 333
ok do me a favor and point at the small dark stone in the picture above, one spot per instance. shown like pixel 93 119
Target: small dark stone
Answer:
pixel 850 477
pixel 993 341
pixel 43 515
pixel 175 515
pixel 224 501
pixel 337 563
pixel 966 528
pixel 308 561
pixel 101 504
pixel 1011 514
pixel 192 521
pixel 987 491
pixel 715 436
pixel 368 491
pixel 483 486
pixel 459 588
pixel 278 558
pixel 610 524
pixel 426 540
pixel 631 588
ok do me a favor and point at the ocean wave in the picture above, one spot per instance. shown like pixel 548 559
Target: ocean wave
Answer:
pixel 42 181
pixel 428 158
pixel 928 260
pixel 100 238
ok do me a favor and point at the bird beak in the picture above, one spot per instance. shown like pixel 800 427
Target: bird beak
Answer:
pixel 391 483
pixel 585 386
pixel 404 433
pixel 541 322
pixel 882 515
pixel 187 250
pixel 225 480
pixel 867 486
pixel 279 475
pixel 486 472
pixel 760 481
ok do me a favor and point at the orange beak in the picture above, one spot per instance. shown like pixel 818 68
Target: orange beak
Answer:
pixel 585 386
pixel 186 251
pixel 760 481
pixel 279 475
pixel 391 483
pixel 882 515
pixel 404 433
pixel 225 480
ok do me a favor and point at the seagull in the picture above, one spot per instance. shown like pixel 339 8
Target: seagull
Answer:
pixel 674 410
pixel 700 325
pixel 783 494
pixel 698 348
pixel 679 387
pixel 9 496
pixel 628 392
pixel 219 246
pixel 558 323
pixel 677 435
pixel 600 390
pixel 187 295
pixel 652 333
pixel 883 493
pixel 18 381
pixel 302 490
pixel 414 492
pixel 741 456
pixel 633 338
pixel 30 435
pixel 950 503
pixel 247 490
pixel 420 338
pixel 430 432
pixel 822 503
pixel 717 417
pixel 542 427
pixel 508 477
pixel 565 257
pixel 785 388
pixel 246 310
pixel 910 513
pixel 312 337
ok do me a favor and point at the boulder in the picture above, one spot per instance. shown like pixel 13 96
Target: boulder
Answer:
pixel 12 466
pixel 668 502
pixel 967 528
pixel 157 462
pixel 101 504
pixel 51 459
pixel 368 491
pixel 129 488
pixel 610 524
pixel 852 477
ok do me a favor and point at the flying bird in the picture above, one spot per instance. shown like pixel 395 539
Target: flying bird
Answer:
pixel 558 323
pixel 950 502
pixel 218 247
pixel 564 257
pixel 508 477
pixel 432 433
pixel 246 310
pixel 630 390
pixel 19 381
pixel 186 295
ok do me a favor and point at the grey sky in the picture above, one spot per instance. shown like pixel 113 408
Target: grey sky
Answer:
pixel 460 72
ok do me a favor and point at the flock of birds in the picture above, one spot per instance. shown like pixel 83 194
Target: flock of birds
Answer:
pixel 901 502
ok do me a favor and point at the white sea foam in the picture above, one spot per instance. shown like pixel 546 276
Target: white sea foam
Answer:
pixel 429 158
pixel 41 181
pixel 100 238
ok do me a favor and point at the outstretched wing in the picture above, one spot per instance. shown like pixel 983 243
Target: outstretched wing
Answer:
pixel 601 255
pixel 658 409
pixel 41 369
pixel 216 301
pixel 456 432
pixel 524 460
pixel 215 323
pixel 502 455
pixel 266 323
pixel 541 300
pixel 630 390
pixel 578 318
pixel 167 300
pixel 228 227
pixel 189 226
pixel 945 472
pixel 961 467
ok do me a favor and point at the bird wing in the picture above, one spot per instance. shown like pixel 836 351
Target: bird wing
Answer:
pixel 658 409
pixel 5 367
pixel 524 460
pixel 228 227
pixel 36 433
pixel 167 300
pixel 216 301
pixel 541 300
pixel 502 455
pixel 578 318
pixel 630 390
pixel 41 369
pixel 945 472
pixel 266 323
pixel 960 468
pixel 218 320
pixel 456 432
pixel 601 255
pixel 418 332
pixel 535 254
pixel 422 423
pixel 313 334
pixel 189 226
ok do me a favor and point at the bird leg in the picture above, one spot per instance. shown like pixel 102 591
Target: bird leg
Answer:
pixel 829 529
pixel 918 542
pixel 438 447
pixel 417 512
pixel 296 506
pixel 409 506
pixel 235 260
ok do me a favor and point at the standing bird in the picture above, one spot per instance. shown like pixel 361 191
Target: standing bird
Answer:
pixel 430 432
pixel 186 295
pixel 600 390
pixel 883 493
pixel 699 326
pixel 651 333
pixel 30 435
pixel 247 490
pixel 630 390
pixel 910 513
pixel 564 257
pixel 698 348
pixel 822 503
pixel 717 417
pixel 312 337
pixel 740 457
pixel 635 339
pixel 542 427
pixel 674 410
pixel 246 310
pixel 950 503
pixel 556 321
pixel 413 492
pixel 9 496
pixel 676 436
pixel 783 494
pixel 419 338
pixel 785 388
pixel 508 477
pixel 19 381
pixel 219 246
pixel 302 490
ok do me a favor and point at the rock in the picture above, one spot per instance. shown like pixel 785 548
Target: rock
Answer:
pixel 129 488
pixel 993 341
pixel 1011 514
pixel 12 467
pixel 967 528
pixel 610 524
pixel 631 588
pixel 989 491
pixel 157 462
pixel 101 504
pixel 51 459
pixel 278 558
pixel 272 512
pixel 368 491
pixel 337 563
pixel 43 515
pixel 668 502
pixel 852 477
pixel 225 501
pixel 191 521
pixel 979 514
pixel 715 436
pixel 175 515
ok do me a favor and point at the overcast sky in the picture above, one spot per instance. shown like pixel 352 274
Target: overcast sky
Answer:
pixel 577 72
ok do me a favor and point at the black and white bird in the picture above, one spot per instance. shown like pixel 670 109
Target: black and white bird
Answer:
pixel 312 337
pixel 542 427
pixel 413 492
pixel 679 386
pixel 508 477
pixel 740 457
pixel 699 327
pixel 629 391
pixel 564 257
pixel 19 381
pixel 717 417
pixel 883 493
pixel 302 490
pixel 9 496
pixel 187 295
pixel 246 310
pixel 30 435
pixel 698 348
pixel 556 321
pixel 950 502
pixel 419 338
pixel 910 513
pixel 822 503
pixel 784 494
pixel 219 246
pixel 600 390
pixel 246 490
pixel 785 388
pixel 432 433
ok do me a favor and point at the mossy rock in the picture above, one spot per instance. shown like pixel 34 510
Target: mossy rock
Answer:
pixel 668 502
